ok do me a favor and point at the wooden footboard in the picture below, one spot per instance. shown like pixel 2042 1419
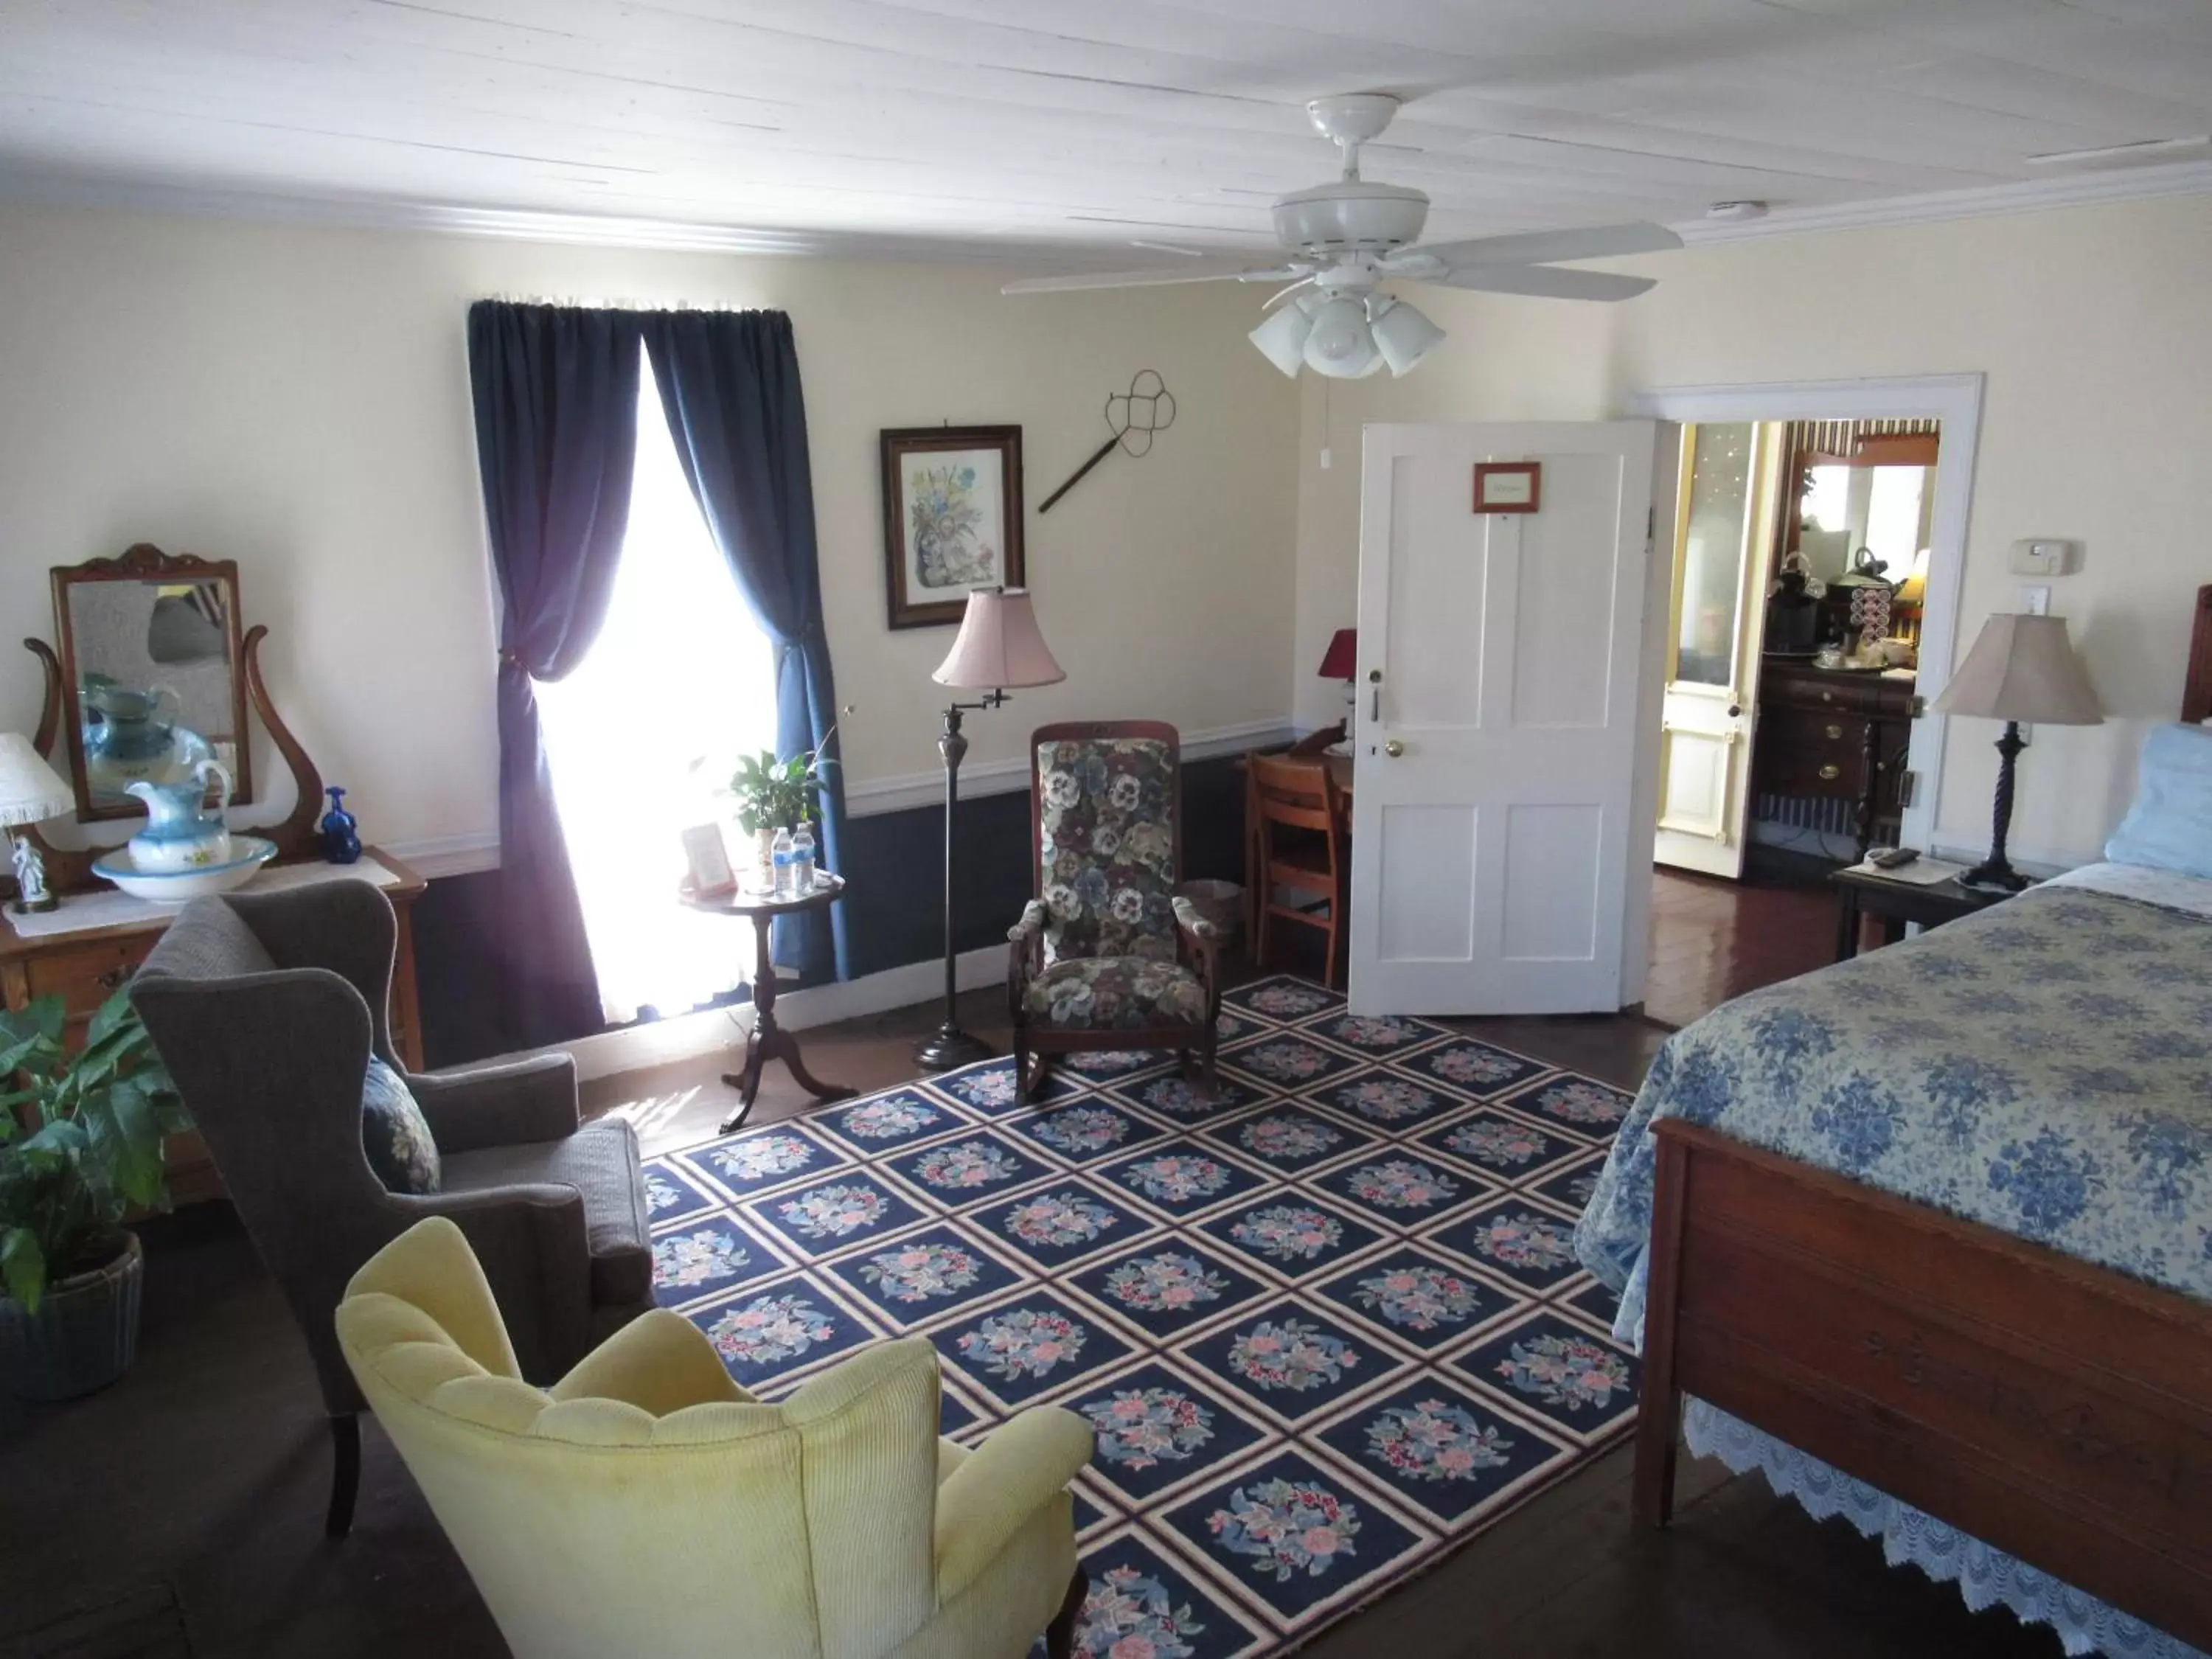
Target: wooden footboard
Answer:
pixel 2057 1410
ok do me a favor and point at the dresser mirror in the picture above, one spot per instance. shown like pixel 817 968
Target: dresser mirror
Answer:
pixel 153 675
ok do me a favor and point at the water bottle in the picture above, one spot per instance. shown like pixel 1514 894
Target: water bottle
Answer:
pixel 802 860
pixel 779 856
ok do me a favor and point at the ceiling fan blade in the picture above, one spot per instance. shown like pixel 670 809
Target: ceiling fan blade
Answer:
pixel 1547 282
pixel 1541 246
pixel 1194 270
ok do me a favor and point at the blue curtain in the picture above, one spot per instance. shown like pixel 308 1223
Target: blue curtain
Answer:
pixel 555 396
pixel 729 382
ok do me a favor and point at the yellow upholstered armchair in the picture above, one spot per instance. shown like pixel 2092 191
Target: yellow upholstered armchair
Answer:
pixel 646 1503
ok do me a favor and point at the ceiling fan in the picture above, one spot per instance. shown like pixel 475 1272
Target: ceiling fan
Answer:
pixel 1347 236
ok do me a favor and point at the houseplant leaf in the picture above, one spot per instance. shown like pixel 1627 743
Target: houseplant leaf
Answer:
pixel 22 1267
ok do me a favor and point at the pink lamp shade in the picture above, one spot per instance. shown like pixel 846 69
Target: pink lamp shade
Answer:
pixel 999 646
pixel 1340 662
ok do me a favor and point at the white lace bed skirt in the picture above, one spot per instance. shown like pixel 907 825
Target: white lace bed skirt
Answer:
pixel 1986 1577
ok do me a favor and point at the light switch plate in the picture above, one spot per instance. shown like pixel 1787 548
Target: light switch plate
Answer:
pixel 2035 600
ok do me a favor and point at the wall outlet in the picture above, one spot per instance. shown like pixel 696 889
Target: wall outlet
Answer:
pixel 2035 600
pixel 2042 556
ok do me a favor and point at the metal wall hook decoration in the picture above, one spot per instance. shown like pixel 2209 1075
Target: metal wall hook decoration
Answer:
pixel 1134 417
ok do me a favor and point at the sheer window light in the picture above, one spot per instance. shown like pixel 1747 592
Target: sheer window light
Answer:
pixel 644 735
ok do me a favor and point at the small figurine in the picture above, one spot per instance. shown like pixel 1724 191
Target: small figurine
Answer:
pixel 341 833
pixel 31 890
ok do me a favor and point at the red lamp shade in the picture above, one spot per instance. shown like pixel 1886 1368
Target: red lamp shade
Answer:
pixel 1338 663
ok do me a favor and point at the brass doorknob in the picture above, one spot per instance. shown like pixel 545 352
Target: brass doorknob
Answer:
pixel 1393 748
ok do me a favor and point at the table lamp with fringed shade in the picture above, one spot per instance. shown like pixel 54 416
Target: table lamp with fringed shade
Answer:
pixel 999 647
pixel 31 792
pixel 2021 670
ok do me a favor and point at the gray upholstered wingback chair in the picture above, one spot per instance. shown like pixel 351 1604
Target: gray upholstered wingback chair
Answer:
pixel 266 1008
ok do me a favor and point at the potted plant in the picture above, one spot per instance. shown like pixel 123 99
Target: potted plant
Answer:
pixel 768 794
pixel 81 1144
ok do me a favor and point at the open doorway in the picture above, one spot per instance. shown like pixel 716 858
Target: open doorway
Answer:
pixel 1802 556
pixel 1766 913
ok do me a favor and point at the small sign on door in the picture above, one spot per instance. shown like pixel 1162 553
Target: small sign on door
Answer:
pixel 1509 486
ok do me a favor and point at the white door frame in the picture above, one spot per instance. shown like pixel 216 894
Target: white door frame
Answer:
pixel 1953 399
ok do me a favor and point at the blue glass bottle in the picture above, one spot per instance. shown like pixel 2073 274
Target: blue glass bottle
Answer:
pixel 341 833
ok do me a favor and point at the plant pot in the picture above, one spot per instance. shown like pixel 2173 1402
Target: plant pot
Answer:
pixel 83 1336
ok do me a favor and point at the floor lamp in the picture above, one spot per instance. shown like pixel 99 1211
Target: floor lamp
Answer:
pixel 999 648
pixel 2022 669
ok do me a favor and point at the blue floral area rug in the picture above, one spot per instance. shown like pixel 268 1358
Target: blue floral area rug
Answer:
pixel 1328 1324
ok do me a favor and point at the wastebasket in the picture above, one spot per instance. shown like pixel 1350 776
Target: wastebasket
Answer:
pixel 1221 902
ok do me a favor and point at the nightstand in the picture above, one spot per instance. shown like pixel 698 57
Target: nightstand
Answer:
pixel 1897 903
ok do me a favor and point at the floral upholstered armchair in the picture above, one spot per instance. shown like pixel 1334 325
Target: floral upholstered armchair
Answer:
pixel 1105 956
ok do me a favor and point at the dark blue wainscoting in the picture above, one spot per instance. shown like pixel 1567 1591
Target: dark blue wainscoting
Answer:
pixel 894 912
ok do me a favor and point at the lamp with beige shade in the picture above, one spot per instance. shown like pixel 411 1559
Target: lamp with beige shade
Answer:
pixel 999 647
pixel 2021 670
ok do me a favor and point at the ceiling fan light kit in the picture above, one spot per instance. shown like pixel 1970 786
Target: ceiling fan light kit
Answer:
pixel 1403 335
pixel 1345 237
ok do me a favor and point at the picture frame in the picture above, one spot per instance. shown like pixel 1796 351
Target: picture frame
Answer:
pixel 1509 486
pixel 952 519
pixel 704 850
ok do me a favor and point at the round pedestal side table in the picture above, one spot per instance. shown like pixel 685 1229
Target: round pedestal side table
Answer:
pixel 769 1040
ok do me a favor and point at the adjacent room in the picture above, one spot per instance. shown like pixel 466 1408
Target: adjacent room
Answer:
pixel 867 830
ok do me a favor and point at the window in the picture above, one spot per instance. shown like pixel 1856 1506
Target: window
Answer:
pixel 680 682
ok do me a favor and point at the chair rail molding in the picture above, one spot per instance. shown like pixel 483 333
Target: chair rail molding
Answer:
pixel 910 790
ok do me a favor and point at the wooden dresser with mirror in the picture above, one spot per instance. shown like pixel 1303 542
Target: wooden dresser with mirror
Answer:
pixel 153 659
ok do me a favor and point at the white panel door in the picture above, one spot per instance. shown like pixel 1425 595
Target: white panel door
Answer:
pixel 1723 546
pixel 1505 736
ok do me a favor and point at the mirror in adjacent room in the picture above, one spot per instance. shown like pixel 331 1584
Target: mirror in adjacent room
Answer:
pixel 152 674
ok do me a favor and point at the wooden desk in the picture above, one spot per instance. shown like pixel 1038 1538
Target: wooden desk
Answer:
pixel 84 969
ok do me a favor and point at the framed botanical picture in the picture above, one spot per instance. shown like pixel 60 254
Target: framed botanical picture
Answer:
pixel 1508 487
pixel 952 519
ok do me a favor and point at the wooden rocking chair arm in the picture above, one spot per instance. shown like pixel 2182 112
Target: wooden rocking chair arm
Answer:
pixel 1025 947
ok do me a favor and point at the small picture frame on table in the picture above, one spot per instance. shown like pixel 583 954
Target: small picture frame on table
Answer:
pixel 952 519
pixel 1509 486
pixel 711 876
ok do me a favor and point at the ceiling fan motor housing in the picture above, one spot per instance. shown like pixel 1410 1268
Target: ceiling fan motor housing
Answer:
pixel 1352 214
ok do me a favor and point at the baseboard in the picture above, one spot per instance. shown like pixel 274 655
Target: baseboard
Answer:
pixel 686 1036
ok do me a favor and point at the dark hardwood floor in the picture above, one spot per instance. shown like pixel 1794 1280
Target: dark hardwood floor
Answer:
pixel 180 1512
pixel 1714 939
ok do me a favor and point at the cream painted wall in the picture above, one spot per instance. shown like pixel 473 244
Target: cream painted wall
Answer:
pixel 2090 325
pixel 297 399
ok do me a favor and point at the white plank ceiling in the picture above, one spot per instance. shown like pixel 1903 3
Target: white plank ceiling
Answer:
pixel 1081 123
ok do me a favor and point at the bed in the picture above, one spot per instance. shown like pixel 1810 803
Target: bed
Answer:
pixel 1927 1237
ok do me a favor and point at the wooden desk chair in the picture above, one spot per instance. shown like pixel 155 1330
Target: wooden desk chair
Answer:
pixel 1298 818
pixel 1314 743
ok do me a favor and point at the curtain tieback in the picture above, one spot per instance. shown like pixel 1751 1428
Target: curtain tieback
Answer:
pixel 510 659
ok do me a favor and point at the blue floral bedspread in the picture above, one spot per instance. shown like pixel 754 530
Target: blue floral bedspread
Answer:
pixel 2044 1068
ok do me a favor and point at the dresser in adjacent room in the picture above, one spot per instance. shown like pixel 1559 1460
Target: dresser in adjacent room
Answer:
pixel 1834 735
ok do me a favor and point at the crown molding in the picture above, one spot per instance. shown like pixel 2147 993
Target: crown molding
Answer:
pixel 2024 196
